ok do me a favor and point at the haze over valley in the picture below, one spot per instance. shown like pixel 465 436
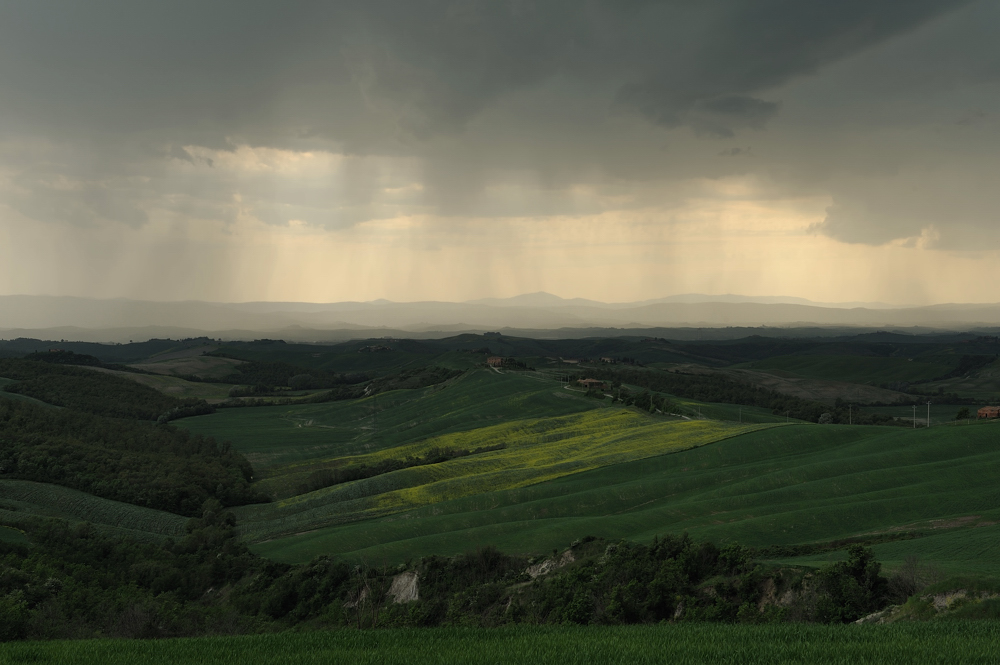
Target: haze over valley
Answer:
pixel 499 331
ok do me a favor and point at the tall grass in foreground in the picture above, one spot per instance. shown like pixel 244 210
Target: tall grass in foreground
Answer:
pixel 971 642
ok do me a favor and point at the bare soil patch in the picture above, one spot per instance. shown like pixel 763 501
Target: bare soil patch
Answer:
pixel 203 367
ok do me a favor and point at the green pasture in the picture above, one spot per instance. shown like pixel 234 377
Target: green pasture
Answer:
pixel 974 642
pixel 965 549
pixel 730 412
pixel 785 485
pixel 174 386
pixel 535 450
pixel 854 369
pixel 20 499
pixel 983 384
pixel 12 536
pixel 280 435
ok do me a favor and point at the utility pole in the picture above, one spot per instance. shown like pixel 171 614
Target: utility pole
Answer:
pixel 850 414
pixel 914 416
pixel 928 413
pixel 741 415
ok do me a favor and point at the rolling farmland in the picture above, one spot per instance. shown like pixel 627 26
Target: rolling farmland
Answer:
pixel 277 435
pixel 782 486
pixel 536 451
pixel 855 369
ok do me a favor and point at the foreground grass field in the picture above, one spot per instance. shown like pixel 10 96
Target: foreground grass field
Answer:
pixel 780 486
pixel 970 643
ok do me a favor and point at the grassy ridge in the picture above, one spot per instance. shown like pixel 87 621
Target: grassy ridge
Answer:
pixel 279 435
pixel 536 450
pixel 683 644
pixel 175 386
pixel 20 498
pixel 785 485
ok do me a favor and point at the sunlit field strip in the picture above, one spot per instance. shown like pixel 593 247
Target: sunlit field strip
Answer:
pixel 778 486
pixel 536 450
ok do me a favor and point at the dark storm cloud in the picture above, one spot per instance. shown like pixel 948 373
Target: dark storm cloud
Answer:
pixel 121 80
pixel 187 67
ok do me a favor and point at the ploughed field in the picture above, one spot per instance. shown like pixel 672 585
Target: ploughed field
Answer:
pixel 901 643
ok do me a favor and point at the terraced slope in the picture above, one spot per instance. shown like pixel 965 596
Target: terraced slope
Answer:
pixel 784 485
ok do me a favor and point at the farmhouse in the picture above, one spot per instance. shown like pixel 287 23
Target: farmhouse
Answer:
pixel 593 383
pixel 495 361
pixel 989 412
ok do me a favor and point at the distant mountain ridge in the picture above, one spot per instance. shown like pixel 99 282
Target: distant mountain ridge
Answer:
pixel 535 311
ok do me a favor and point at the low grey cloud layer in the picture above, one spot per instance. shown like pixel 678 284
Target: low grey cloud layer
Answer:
pixel 115 112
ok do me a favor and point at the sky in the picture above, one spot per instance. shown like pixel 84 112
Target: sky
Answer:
pixel 435 150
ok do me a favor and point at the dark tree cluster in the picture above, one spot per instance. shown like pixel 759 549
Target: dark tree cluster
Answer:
pixel 144 464
pixel 88 390
pixel 721 389
pixel 79 582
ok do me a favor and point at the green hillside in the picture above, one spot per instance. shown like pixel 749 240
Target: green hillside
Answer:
pixel 273 436
pixel 781 486
pixel 855 369
pixel 22 498
pixel 535 451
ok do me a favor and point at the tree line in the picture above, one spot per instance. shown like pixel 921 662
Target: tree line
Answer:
pixel 88 390
pixel 722 389
pixel 156 466
pixel 76 581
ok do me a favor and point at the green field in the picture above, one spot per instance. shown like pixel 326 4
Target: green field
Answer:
pixel 21 498
pixel 983 384
pixel 176 387
pixel 278 435
pixel 854 369
pixel 535 451
pixel 683 644
pixel 786 485
pixel 13 536
pixel 730 412
pixel 940 413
